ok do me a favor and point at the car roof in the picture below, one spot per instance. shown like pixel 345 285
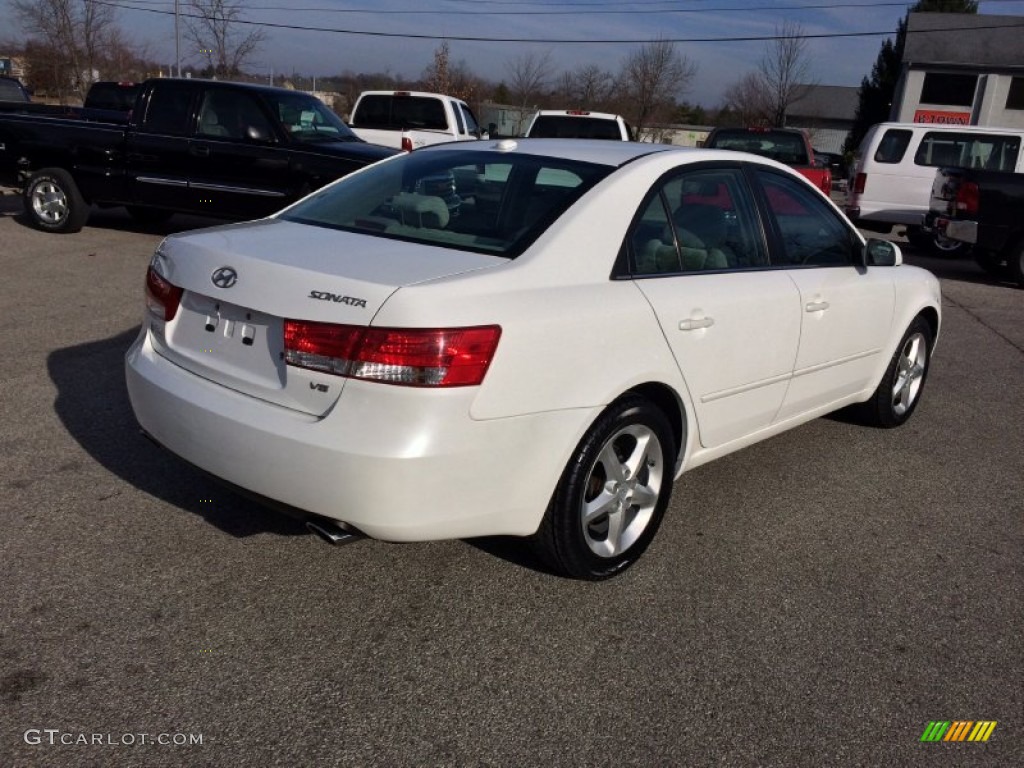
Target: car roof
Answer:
pixel 603 152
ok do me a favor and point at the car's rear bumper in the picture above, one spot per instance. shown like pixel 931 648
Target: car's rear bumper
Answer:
pixel 397 463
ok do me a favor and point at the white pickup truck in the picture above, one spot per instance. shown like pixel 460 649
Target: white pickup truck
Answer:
pixel 410 119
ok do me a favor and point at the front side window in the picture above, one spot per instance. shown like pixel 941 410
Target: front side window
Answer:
pixel 968 150
pixel 489 202
pixel 700 220
pixel 893 145
pixel 234 115
pixel 810 233
pixel 472 126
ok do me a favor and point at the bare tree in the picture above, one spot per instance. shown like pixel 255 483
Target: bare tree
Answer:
pixel 75 31
pixel 527 77
pixel 442 76
pixel 784 70
pixel 212 28
pixel 652 77
pixel 746 101
pixel 588 87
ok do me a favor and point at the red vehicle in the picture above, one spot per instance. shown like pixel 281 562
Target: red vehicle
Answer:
pixel 786 145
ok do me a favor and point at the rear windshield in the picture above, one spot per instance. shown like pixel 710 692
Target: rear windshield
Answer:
pixel 11 91
pixel 968 150
pixel 400 113
pixel 565 127
pixel 488 202
pixel 113 96
pixel 783 146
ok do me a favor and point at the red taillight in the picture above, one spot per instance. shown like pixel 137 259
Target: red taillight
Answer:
pixel 162 298
pixel 859 182
pixel 415 357
pixel 576 112
pixel 967 198
pixel 406 142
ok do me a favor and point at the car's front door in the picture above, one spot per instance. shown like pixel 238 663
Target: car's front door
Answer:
pixel 237 167
pixel 846 309
pixel 698 254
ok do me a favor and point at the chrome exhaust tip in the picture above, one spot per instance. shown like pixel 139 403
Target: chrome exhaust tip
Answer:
pixel 332 532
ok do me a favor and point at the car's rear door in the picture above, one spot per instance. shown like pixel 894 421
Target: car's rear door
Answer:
pixel 157 147
pixel 699 256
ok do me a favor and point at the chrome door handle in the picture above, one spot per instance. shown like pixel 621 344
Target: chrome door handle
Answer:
pixel 693 325
pixel 816 306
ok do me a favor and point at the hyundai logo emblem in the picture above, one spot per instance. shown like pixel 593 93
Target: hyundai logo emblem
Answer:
pixel 224 277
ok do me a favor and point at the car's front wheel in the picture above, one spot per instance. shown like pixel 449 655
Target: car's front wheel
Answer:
pixel 54 203
pixel 612 495
pixel 900 389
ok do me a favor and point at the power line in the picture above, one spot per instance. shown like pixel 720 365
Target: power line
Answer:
pixel 553 41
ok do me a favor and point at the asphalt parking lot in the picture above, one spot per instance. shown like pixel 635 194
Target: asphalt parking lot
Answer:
pixel 814 600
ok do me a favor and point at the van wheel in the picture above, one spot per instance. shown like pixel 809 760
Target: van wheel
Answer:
pixel 53 202
pixel 612 495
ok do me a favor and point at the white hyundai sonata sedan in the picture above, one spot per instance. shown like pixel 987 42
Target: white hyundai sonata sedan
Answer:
pixel 529 337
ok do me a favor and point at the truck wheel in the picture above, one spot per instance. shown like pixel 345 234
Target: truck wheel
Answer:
pixel 1015 261
pixel 53 202
pixel 949 249
pixel 148 217
pixel 991 263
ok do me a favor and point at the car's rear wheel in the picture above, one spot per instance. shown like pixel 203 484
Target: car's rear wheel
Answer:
pixel 612 495
pixel 54 203
pixel 899 392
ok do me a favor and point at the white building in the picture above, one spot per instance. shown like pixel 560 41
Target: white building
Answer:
pixel 963 69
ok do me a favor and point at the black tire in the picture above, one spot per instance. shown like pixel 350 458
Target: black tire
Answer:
pixel 945 248
pixel 149 217
pixel 53 202
pixel 899 392
pixel 1015 262
pixel 991 263
pixel 918 239
pixel 630 430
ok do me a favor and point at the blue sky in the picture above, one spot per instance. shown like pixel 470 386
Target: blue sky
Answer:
pixel 834 61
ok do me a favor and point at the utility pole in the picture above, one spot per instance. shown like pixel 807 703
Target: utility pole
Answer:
pixel 177 39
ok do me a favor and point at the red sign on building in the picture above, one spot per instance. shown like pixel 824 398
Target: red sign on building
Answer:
pixel 942 118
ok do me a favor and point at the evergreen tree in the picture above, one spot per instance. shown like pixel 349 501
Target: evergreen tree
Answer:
pixel 876 93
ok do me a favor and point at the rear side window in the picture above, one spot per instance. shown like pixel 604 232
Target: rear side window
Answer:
pixel 968 150
pixel 400 113
pixel 893 146
pixel 169 109
pixel 698 221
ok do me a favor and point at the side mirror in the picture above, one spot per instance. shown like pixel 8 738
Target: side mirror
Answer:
pixel 881 253
pixel 258 133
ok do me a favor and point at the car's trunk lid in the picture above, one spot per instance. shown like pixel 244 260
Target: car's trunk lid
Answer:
pixel 241 282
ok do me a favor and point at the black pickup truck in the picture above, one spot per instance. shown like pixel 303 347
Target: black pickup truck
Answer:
pixel 212 148
pixel 984 208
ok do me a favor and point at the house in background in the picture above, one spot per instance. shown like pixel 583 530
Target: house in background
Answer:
pixel 962 69
pixel 826 113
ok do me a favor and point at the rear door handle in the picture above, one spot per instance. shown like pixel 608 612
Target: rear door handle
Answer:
pixel 816 306
pixel 695 324
pixel 200 150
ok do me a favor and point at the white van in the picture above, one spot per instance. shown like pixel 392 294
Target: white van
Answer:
pixel 895 167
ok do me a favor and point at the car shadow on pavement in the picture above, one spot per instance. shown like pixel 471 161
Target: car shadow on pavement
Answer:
pixel 92 404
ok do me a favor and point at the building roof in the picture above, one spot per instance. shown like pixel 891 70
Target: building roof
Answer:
pixel 965 39
pixel 826 102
